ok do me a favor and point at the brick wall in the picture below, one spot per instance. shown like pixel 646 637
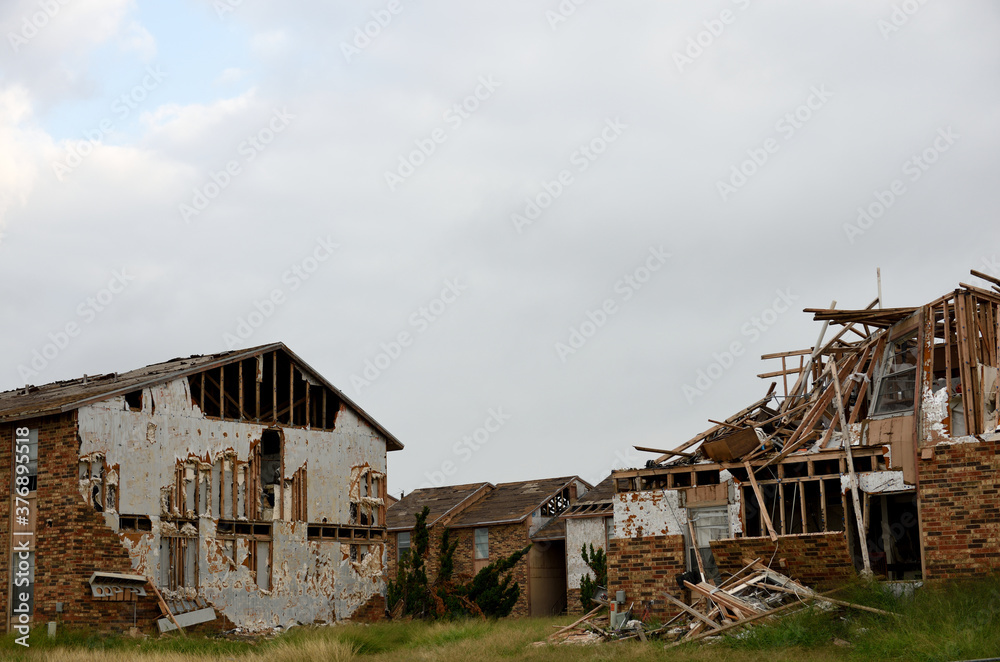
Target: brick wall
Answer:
pixel 504 540
pixel 72 540
pixel 371 611
pixel 433 552
pixel 814 559
pixel 573 605
pixel 645 568
pixel 959 495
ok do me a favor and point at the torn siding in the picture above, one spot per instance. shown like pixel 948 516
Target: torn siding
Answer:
pixel 582 531
pixel 649 513
pixel 170 448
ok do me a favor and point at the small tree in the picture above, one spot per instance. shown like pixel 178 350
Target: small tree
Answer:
pixel 597 561
pixel 494 595
pixel 410 584
pixel 490 593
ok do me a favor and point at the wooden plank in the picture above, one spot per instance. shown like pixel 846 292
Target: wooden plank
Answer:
pixel 166 609
pixel 239 367
pixel 664 452
pixel 274 387
pixel 694 545
pixel 986 277
pixel 677 603
pixel 964 362
pixel 845 429
pixel 764 515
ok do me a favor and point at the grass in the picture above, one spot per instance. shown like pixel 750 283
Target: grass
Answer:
pixel 954 622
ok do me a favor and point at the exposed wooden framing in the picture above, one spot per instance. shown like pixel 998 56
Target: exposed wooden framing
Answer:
pixel 822 503
pixel 986 277
pixel 259 376
pixel 964 361
pixel 274 386
pixel 166 609
pixel 946 311
pixel 764 515
pixel 801 381
pixel 694 545
pixel 222 486
pixel 281 478
pixel 236 494
pixel 202 394
pixel 239 368
pixel 802 506
pixel 782 529
pixel 291 393
pixel 324 410
pixel 222 392
pixel 644 449
pixel 309 417
pixel 736 417
pixel 779 355
pixel 867 569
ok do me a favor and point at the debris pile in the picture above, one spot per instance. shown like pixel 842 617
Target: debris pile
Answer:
pixel 755 594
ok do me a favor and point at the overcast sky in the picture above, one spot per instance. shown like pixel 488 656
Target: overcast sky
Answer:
pixel 540 226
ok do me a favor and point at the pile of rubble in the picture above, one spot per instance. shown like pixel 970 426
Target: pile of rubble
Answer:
pixel 755 594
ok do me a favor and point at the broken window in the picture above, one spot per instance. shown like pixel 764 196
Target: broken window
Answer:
pixel 134 523
pixel 482 543
pixel 402 544
pixel 178 562
pixel 367 497
pixel 898 381
pixel 99 483
pixel 250 545
pixel 133 400
pixel 709 524
pixel 269 470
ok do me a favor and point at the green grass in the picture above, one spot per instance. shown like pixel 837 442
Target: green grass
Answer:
pixel 954 622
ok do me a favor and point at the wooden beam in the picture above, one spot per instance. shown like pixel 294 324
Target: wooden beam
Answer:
pixel 764 515
pixel 859 516
pixel 660 450
pixel 677 603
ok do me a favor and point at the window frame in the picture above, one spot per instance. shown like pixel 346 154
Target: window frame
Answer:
pixel 478 545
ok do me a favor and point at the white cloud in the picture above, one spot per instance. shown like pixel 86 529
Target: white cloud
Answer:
pixel 230 76
pixel 138 39
pixel 21 149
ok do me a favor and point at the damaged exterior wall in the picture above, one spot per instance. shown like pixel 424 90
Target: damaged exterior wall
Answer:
pixel 581 531
pixel 308 580
pixel 649 513
pixel 815 559
pixel 645 568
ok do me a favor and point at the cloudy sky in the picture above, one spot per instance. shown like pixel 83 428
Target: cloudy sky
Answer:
pixel 524 236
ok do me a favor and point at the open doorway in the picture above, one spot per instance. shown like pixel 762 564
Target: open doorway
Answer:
pixel 892 535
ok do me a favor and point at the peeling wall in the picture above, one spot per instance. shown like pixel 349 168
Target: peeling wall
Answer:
pixel 649 513
pixel 582 531
pixel 310 580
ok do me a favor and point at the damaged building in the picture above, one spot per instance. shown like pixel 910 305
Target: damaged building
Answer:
pixel 491 522
pixel 875 452
pixel 238 489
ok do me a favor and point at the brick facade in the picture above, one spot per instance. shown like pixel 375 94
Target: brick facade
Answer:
pixel 505 539
pixel 645 568
pixel 573 605
pixel 72 539
pixel 959 492
pixel 814 559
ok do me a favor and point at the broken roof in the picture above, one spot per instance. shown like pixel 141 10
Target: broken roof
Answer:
pixel 555 529
pixel 442 501
pixel 827 388
pixel 510 503
pixel 63 396
pixel 598 502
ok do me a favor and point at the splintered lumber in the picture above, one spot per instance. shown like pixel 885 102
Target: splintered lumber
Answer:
pixel 662 452
pixel 987 277
pixel 761 506
pixel 845 429
pixel 815 596
pixel 569 627
pixel 721 597
pixel 166 609
pixel 743 413
pixel 701 617
pixel 745 621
